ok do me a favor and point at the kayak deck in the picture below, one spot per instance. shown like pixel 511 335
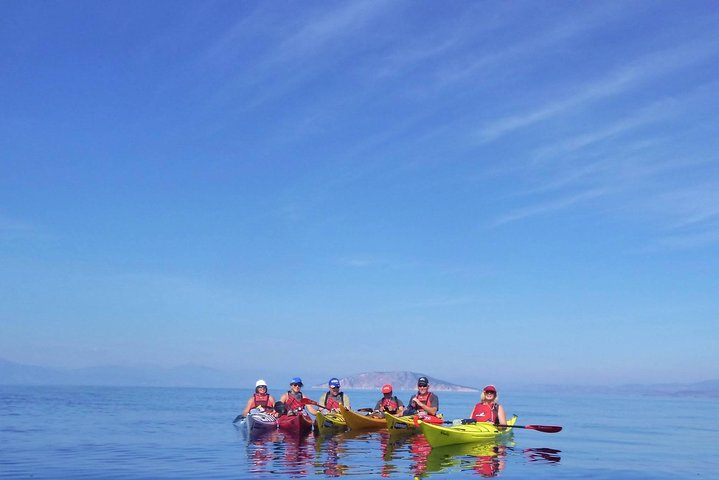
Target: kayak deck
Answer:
pixel 295 424
pixel 357 421
pixel 439 436
pixel 397 423
pixel 330 421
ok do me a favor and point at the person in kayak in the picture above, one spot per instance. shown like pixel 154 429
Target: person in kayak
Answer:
pixel 292 400
pixel 389 403
pixel 261 400
pixel 488 409
pixel 333 398
pixel 423 402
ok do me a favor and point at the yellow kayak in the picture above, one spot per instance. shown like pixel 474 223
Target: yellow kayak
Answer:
pixel 357 421
pixel 396 423
pixel 327 421
pixel 439 436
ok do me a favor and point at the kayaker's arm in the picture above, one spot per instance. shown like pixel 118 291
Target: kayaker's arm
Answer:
pixel 501 415
pixel 425 407
pixel 248 407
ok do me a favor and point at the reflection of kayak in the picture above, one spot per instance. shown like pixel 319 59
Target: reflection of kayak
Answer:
pixel 257 422
pixel 438 436
pixel 484 457
pixel 330 421
pixel 295 424
pixel 357 421
pixel 395 423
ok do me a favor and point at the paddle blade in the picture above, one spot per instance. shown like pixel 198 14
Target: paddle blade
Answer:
pixel 308 401
pixel 238 418
pixel 545 428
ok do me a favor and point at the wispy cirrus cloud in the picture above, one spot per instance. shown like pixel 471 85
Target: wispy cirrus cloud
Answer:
pixel 548 206
pixel 582 22
pixel 623 80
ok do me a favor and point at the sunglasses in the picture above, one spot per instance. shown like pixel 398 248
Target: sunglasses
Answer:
pixel 490 392
pixel 295 384
pixel 423 386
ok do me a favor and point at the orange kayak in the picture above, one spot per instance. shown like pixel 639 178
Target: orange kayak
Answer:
pixel 357 421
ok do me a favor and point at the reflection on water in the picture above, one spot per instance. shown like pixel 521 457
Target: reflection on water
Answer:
pixel 378 453
pixel 548 455
pixel 486 458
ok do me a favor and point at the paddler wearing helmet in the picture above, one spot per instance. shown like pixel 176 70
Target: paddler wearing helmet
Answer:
pixel 261 400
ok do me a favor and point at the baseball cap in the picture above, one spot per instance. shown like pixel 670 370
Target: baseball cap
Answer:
pixel 387 388
pixel 334 382
pixel 490 388
pixel 297 380
pixel 422 381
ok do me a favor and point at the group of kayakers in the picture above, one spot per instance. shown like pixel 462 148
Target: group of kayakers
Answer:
pixel 422 403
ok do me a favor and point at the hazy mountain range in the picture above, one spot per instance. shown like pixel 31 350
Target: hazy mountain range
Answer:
pixel 13 373
pixel 398 380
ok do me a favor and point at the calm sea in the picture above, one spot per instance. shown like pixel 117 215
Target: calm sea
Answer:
pixel 139 433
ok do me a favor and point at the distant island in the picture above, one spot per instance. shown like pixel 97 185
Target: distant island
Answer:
pixel 399 381
pixel 13 373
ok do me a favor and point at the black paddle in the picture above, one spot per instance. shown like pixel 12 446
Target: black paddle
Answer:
pixel 539 428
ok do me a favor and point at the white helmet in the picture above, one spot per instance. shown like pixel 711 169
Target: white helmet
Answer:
pixel 260 383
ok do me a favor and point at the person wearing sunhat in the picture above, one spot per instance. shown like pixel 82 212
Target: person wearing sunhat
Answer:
pixel 389 403
pixel 292 400
pixel 334 397
pixel 261 400
pixel 488 409
pixel 423 402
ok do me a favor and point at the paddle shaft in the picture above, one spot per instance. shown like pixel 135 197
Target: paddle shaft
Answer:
pixel 539 428
pixel 308 401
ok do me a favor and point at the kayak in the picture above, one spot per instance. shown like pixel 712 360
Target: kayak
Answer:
pixel 357 421
pixel 330 421
pixel 395 423
pixel 295 424
pixel 257 422
pixel 439 436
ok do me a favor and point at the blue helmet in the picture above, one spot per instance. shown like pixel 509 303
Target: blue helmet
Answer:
pixel 296 380
pixel 334 382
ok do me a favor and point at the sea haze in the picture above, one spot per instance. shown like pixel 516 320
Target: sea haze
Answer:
pixel 13 373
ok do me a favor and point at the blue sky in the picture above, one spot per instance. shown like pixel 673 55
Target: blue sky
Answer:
pixel 509 192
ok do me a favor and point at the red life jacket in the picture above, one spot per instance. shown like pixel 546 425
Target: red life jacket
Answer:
pixel 426 398
pixel 390 404
pixel 486 412
pixel 262 400
pixel 292 402
pixel 333 404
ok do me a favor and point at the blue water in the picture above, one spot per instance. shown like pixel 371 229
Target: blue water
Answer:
pixel 138 433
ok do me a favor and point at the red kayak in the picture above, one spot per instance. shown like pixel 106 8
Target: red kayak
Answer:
pixel 295 424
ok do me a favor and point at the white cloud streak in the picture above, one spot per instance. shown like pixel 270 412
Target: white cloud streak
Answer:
pixel 649 68
pixel 549 206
